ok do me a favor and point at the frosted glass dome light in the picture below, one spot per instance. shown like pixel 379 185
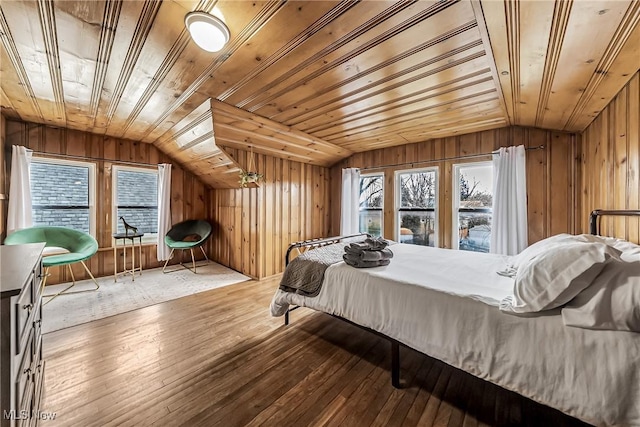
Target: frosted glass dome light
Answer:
pixel 208 31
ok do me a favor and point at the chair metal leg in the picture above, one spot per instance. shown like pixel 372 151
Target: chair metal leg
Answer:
pixel 66 291
pixel 193 260
pixel 53 296
pixel 73 279
pixel 205 254
pixel 165 263
pixel 44 280
pixel 182 264
pixel 92 278
pixel 140 257
pixel 191 267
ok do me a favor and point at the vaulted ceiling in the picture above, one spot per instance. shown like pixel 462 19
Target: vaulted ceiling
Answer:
pixel 312 81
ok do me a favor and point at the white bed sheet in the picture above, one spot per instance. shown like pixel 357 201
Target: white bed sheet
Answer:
pixel 444 304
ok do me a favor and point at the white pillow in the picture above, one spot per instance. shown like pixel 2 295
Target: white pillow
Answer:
pixel 540 247
pixel 611 302
pixel 630 251
pixel 552 278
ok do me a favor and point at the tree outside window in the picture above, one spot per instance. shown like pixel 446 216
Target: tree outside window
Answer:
pixel 473 206
pixel 417 205
pixel 370 204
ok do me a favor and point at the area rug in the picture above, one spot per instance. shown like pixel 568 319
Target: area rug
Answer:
pixel 152 287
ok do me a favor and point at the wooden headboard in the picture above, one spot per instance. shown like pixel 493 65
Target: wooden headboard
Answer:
pixel 594 218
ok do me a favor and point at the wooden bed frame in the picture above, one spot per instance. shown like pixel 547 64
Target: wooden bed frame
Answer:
pixel 303 246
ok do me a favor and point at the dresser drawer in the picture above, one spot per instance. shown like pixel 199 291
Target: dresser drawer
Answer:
pixel 38 391
pixel 23 381
pixel 26 406
pixel 21 338
pixel 23 308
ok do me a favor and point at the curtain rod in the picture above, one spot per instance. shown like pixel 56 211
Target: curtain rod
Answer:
pixel 468 156
pixel 99 159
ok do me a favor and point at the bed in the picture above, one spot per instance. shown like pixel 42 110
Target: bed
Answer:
pixel 447 304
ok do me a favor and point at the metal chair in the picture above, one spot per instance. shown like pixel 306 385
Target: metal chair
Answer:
pixel 185 235
pixel 81 246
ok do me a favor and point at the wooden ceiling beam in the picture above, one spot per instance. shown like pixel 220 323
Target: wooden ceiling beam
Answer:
pixel 242 129
pixel 486 41
pixel 191 142
pixel 228 142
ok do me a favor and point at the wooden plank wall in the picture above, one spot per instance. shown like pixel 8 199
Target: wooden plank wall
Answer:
pixel 254 226
pixel 551 174
pixel 610 163
pixel 187 198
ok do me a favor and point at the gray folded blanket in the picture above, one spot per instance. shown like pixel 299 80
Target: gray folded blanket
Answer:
pixel 305 274
pixel 371 243
pixel 376 243
pixel 372 252
pixel 359 263
pixel 369 255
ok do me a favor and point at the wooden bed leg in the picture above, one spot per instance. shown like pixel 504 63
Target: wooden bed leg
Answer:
pixel 395 364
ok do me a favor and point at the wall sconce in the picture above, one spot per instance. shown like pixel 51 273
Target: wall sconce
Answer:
pixel 208 31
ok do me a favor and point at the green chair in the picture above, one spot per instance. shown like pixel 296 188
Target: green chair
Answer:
pixel 185 235
pixel 81 246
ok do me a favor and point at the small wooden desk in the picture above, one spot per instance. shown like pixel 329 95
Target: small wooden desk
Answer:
pixel 132 238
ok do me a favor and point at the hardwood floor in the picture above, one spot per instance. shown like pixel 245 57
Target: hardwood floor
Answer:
pixel 218 358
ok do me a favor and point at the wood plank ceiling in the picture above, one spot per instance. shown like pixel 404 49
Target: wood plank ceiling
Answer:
pixel 312 81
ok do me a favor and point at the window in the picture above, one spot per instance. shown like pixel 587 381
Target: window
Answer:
pixel 473 190
pixel 62 193
pixel 371 196
pixel 136 200
pixel 416 203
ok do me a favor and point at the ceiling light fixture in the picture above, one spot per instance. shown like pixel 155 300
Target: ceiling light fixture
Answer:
pixel 208 31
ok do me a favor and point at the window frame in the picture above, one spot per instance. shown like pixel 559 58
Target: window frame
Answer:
pixel 92 184
pixel 381 209
pixel 148 238
pixel 398 201
pixel 456 199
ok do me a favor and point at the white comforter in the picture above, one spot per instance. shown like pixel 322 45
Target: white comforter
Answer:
pixel 444 304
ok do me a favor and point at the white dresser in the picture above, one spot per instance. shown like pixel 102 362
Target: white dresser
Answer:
pixel 21 359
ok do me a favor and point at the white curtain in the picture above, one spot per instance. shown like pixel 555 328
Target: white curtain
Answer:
pixel 509 220
pixel 164 209
pixel 19 215
pixel 350 201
